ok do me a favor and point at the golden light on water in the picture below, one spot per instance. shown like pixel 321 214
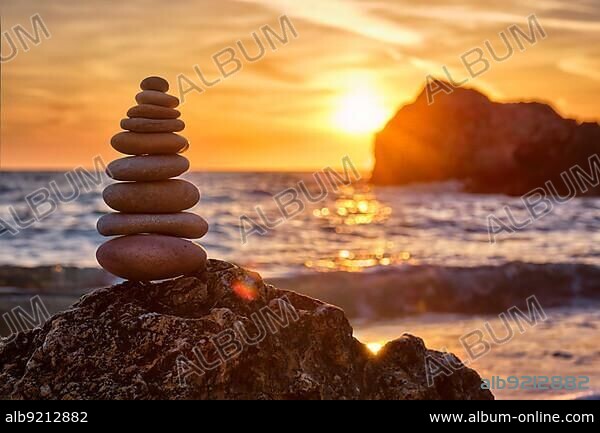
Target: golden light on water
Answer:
pixel 375 346
pixel 353 209
pixel 350 261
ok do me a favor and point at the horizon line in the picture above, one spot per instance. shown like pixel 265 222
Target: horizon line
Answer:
pixel 191 170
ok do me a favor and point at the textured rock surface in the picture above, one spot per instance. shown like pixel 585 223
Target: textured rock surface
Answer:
pixel 507 148
pixel 124 342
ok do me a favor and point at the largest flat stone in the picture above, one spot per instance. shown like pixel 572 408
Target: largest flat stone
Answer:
pixel 164 196
pixel 161 143
pixel 182 224
pixel 148 167
pixel 151 257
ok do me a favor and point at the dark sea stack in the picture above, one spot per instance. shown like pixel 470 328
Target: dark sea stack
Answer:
pixel 508 148
pixel 124 342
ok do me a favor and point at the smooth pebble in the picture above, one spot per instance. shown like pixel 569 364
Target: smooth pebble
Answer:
pixel 151 257
pixel 163 196
pixel 155 83
pixel 156 98
pixel 152 125
pixel 148 111
pixel 161 143
pixel 183 224
pixel 148 167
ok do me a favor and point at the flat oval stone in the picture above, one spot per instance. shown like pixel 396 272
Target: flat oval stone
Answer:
pixel 148 168
pixel 163 196
pixel 162 143
pixel 154 83
pixel 152 125
pixel 182 225
pixel 149 111
pixel 151 257
pixel 156 98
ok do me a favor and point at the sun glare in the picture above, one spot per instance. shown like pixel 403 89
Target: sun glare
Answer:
pixel 375 346
pixel 360 112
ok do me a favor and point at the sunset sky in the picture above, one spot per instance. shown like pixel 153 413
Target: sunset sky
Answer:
pixel 303 106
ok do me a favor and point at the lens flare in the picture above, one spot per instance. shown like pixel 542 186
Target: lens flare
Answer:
pixel 246 291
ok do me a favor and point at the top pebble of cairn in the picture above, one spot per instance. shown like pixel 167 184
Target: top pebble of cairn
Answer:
pixel 155 83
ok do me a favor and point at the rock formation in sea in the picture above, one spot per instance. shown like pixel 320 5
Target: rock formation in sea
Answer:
pixel 218 334
pixel 150 204
pixel 493 147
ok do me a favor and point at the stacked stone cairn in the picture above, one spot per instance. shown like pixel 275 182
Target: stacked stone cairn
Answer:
pixel 150 222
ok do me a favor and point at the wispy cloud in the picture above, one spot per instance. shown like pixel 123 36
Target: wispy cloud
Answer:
pixel 581 66
pixel 66 97
pixel 350 15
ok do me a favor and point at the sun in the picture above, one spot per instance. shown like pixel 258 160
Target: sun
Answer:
pixel 360 111
pixel 375 346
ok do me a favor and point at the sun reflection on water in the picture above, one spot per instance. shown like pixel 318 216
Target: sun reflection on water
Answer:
pixel 356 210
pixel 358 261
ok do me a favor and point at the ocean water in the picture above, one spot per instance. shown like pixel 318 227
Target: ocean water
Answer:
pixel 372 232
pixel 352 229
